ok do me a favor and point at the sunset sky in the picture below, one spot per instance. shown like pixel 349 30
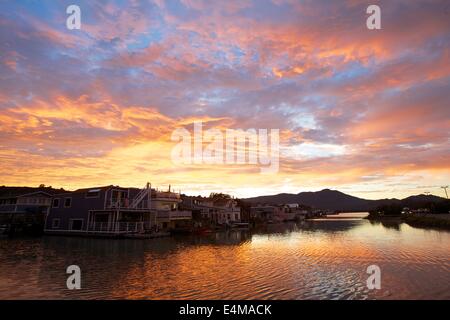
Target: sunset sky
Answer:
pixel 363 111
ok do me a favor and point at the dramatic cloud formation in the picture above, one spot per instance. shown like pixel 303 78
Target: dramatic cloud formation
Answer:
pixel 363 111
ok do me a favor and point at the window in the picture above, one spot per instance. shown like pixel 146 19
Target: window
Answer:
pixel 94 193
pixel 101 217
pixel 76 224
pixel 236 216
pixel 55 223
pixel 55 203
pixel 67 202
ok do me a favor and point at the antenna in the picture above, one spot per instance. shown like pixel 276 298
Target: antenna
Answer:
pixel 445 188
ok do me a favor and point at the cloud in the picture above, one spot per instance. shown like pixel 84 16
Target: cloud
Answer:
pixel 101 103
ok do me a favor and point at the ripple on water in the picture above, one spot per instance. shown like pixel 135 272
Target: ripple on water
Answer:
pixel 314 260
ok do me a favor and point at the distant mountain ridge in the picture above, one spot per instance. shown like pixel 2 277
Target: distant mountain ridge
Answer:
pixel 335 200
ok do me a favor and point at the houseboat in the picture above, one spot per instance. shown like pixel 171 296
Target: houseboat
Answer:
pixel 215 212
pixel 116 211
pixel 268 213
pixel 24 209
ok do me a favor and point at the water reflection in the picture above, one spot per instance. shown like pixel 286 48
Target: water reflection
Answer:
pixel 394 224
pixel 323 259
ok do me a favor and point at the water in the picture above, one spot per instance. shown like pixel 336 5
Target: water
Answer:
pixel 325 259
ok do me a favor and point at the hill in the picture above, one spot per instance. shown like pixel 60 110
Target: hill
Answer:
pixel 335 200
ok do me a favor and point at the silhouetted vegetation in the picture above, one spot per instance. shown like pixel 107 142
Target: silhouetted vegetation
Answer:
pixel 391 210
pixel 219 196
pixel 440 207
pixel 424 221
pixel 428 218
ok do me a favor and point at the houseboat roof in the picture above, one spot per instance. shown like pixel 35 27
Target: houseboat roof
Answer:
pixel 104 188
pixel 34 193
pixel 14 192
pixel 83 190
pixel 96 189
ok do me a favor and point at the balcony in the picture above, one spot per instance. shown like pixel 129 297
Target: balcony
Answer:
pixel 119 227
pixel 126 204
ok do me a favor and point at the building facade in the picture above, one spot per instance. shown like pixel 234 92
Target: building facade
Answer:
pixel 23 205
pixel 277 213
pixel 114 210
pixel 215 211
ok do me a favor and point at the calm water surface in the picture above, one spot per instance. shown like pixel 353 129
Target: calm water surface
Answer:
pixel 324 259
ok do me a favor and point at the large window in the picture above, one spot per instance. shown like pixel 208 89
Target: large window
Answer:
pixel 101 217
pixel 76 224
pixel 55 203
pixel 55 223
pixel 94 193
pixel 67 202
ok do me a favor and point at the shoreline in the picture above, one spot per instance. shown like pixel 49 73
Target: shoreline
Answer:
pixel 426 222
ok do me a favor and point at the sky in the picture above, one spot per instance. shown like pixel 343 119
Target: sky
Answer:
pixel 366 112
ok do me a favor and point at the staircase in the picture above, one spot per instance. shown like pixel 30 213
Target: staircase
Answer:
pixel 141 196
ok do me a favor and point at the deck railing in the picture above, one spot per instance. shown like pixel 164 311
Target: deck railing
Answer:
pixel 175 214
pixel 119 227
pixel 126 204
